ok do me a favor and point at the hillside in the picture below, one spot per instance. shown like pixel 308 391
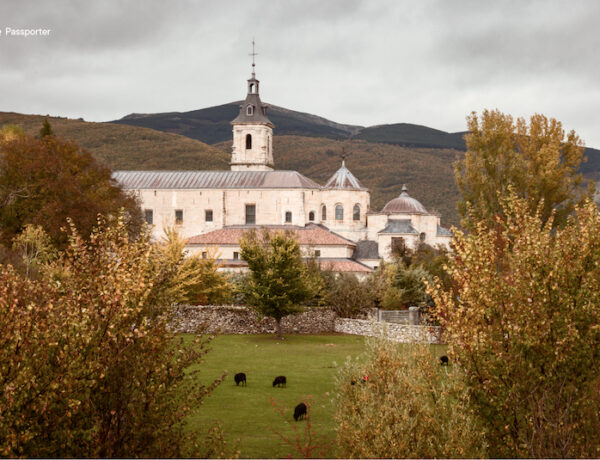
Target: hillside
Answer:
pixel 212 125
pixel 128 147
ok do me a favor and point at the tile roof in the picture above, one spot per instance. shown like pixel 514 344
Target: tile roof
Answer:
pixel 399 226
pixel 333 264
pixel 344 265
pixel 310 235
pixel 404 204
pixel 366 249
pixel 212 179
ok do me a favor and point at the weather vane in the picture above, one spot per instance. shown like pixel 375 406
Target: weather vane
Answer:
pixel 344 154
pixel 252 54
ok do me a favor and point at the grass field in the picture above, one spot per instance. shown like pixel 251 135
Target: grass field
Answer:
pixel 310 363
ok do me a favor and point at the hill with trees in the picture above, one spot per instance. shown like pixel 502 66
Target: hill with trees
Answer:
pixel 419 156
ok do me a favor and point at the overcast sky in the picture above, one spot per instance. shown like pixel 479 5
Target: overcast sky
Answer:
pixel 356 62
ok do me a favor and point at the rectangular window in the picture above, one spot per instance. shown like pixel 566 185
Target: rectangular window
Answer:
pixel 208 215
pixel 178 216
pixel 250 214
pixel 149 216
pixel 317 253
pixel 204 255
pixel 288 217
pixel 236 256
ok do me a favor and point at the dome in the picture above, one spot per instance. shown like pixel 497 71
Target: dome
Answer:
pixel 343 178
pixel 404 204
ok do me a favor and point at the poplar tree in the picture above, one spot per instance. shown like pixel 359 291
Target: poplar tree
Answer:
pixel 538 160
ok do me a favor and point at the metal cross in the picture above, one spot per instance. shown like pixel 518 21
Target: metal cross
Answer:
pixel 252 54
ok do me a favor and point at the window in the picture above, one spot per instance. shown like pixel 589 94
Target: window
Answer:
pixel 149 216
pixel 178 217
pixel 339 212
pixel 324 213
pixel 250 214
pixel 236 256
pixel 208 216
pixel 398 245
pixel 317 253
pixel 311 216
pixel 422 237
pixel 248 141
pixel 251 91
pixel 204 255
pixel 288 217
pixel 249 110
pixel 356 212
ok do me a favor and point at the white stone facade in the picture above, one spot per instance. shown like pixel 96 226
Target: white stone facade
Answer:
pixel 254 194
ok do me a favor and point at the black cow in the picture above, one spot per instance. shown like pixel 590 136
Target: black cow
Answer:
pixel 300 411
pixel 240 377
pixel 280 381
pixel 444 361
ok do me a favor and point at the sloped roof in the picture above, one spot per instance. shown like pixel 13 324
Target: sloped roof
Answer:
pixel 399 226
pixel 344 265
pixel 311 235
pixel 212 179
pixel 344 179
pixel 404 204
pixel 366 249
pixel 441 231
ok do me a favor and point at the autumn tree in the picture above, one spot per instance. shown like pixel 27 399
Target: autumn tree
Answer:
pixel 42 182
pixel 196 280
pixel 524 324
pixel 537 159
pixel 409 407
pixel 88 364
pixel 278 281
pixel 10 132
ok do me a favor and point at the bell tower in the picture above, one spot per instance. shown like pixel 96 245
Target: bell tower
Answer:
pixel 252 148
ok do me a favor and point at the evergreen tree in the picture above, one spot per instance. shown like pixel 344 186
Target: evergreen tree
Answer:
pixel 46 129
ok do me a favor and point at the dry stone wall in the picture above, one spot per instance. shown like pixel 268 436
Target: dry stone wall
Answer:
pixel 403 333
pixel 230 319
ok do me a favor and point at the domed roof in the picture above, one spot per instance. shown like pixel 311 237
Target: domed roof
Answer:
pixel 404 204
pixel 343 178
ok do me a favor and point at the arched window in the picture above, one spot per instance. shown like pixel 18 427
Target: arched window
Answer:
pixel 248 141
pixel 251 91
pixel 288 217
pixel 311 216
pixel 422 237
pixel 324 213
pixel 339 212
pixel 356 212
pixel 249 110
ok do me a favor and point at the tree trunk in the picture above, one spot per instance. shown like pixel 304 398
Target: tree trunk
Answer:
pixel 278 327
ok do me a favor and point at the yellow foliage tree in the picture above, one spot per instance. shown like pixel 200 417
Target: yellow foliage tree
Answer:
pixel 195 280
pixel 524 324
pixel 536 159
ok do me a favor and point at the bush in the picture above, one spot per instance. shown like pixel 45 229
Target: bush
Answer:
pixel 525 326
pixel 346 295
pixel 88 367
pixel 409 406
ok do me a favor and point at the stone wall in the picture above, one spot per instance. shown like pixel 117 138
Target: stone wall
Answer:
pixel 230 319
pixel 403 333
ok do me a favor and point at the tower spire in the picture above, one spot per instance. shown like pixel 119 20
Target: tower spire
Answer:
pixel 253 53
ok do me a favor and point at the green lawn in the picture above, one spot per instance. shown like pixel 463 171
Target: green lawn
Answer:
pixel 309 362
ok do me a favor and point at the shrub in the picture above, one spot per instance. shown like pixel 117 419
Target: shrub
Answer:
pixel 346 295
pixel 409 406
pixel 88 367
pixel 525 327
